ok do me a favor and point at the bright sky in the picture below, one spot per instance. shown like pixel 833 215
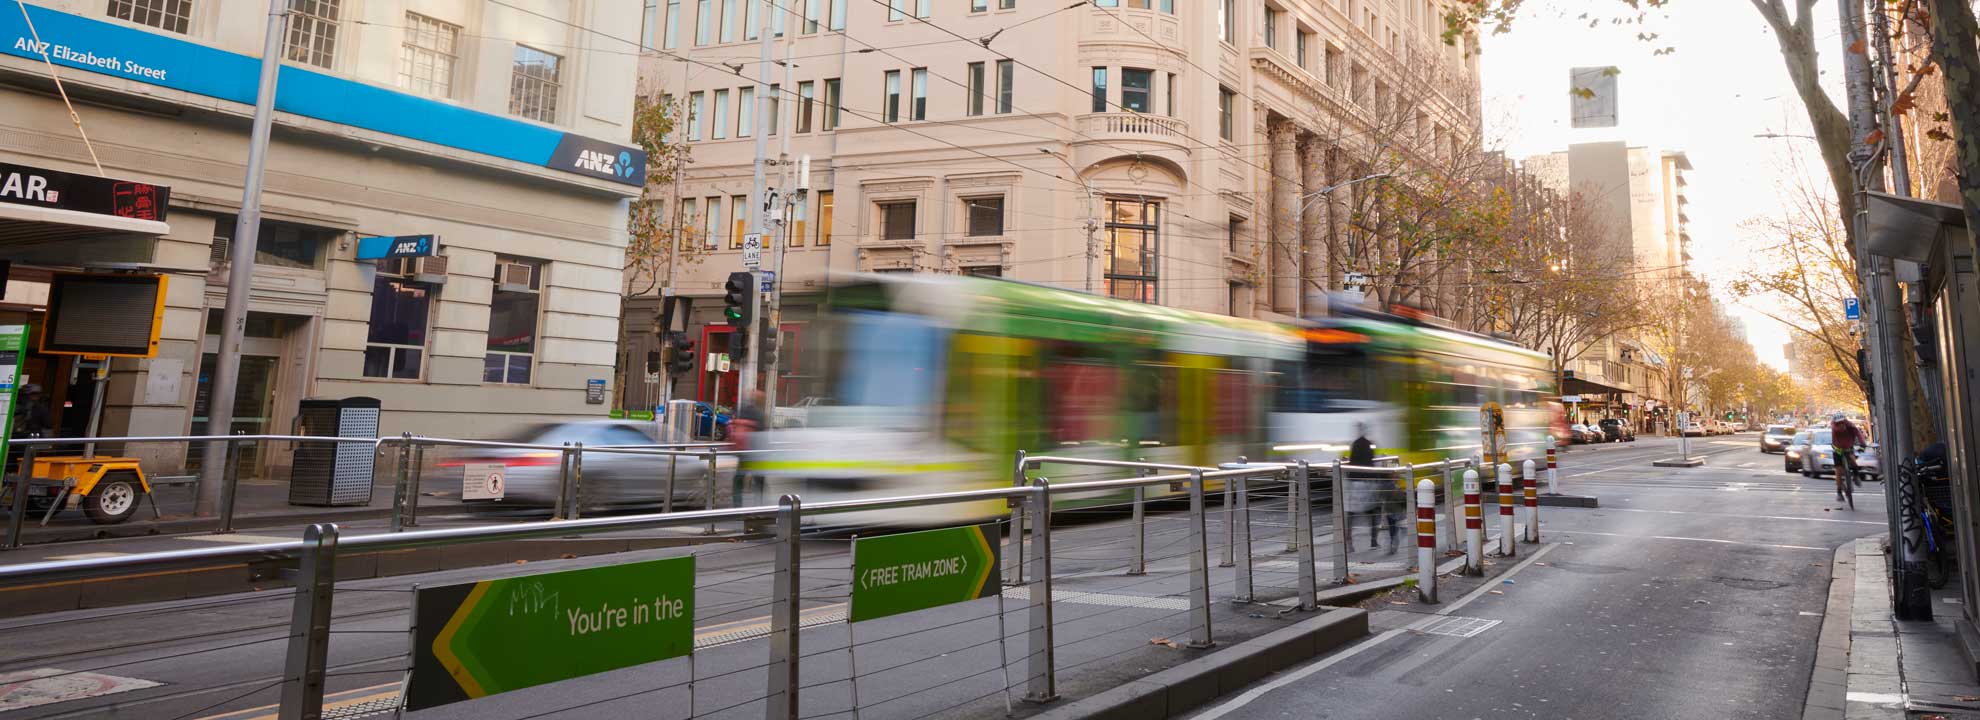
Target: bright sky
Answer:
pixel 1724 83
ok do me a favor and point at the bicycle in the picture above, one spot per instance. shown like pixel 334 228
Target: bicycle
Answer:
pixel 1846 476
pixel 1933 497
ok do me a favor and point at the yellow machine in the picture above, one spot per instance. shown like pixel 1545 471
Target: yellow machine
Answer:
pixel 106 488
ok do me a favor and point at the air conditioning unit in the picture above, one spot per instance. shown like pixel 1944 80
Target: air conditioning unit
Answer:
pixel 430 269
pixel 513 277
pixel 219 252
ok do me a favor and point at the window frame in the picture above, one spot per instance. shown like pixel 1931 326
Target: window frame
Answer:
pixel 1150 254
pixel 410 52
pixel 890 96
pixel 1147 92
pixel 548 91
pixel 1099 104
pixel 392 350
pixel 1226 114
pixel 834 91
pixel 173 16
pixel 1006 85
pixel 823 231
pixel 315 29
pixel 918 94
pixel 886 228
pixel 537 290
pixel 719 115
pixel 806 91
pixel 974 203
pixel 977 75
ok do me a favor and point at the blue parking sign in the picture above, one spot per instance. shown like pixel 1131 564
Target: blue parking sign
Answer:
pixel 1851 310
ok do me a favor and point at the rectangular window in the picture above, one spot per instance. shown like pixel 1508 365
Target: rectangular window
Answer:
pixel 1232 233
pixel 1006 82
pixel 922 8
pixel 1169 94
pixel 1332 72
pixel 750 18
pixel 810 17
pixel 1272 28
pixel 312 35
pixel 649 23
pixel 804 107
pixel 721 118
pixel 694 115
pixel 1100 89
pixel 1300 51
pixel 890 105
pixel 1226 114
pixel 1168 6
pixel 173 15
pixel 824 231
pixel 704 21
pixel 281 244
pixel 672 37
pixel 989 271
pixel 920 89
pixel 977 6
pixel 896 10
pixel 976 90
pixel 777 14
pixel 897 220
pixel 800 213
pixel 714 221
pixel 395 342
pixel 513 321
pixel 1137 89
pixel 535 84
pixel 738 220
pixel 770 117
pixel 426 58
pixel 1227 21
pixel 1133 229
pixel 745 112
pixel 690 219
pixel 831 119
pixel 729 20
pixel 986 216
pixel 838 15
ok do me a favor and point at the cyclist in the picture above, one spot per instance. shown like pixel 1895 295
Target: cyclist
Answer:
pixel 1844 436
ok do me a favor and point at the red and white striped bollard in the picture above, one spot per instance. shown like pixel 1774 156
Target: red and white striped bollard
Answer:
pixel 1508 491
pixel 1530 493
pixel 1426 540
pixel 1474 526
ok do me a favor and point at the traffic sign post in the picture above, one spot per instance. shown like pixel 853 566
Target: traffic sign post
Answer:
pixel 896 574
pixel 477 639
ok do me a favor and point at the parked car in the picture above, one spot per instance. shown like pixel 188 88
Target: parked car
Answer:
pixel 1695 429
pixel 1775 438
pixel 1866 462
pixel 531 476
pixel 1617 430
pixel 1791 456
pixel 1583 434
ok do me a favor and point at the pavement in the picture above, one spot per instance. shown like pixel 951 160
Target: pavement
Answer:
pixel 1691 593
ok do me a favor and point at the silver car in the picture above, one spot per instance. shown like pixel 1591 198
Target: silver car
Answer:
pixel 532 475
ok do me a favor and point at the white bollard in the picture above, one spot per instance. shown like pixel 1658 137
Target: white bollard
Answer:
pixel 1507 491
pixel 1530 495
pixel 1426 540
pixel 1552 466
pixel 1474 526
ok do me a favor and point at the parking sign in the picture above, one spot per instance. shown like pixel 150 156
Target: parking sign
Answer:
pixel 1851 309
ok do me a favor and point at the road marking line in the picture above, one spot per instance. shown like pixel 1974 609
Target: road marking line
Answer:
pixel 1693 539
pixel 342 699
pixel 1295 676
pixel 46 686
pixel 1735 515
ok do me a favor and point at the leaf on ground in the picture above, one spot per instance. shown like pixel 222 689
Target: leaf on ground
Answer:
pixel 1398 602
pixel 1496 592
pixel 1967 698
pixel 1162 641
pixel 522 562
pixel 567 556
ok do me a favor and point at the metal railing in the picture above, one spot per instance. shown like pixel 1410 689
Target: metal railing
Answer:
pixel 411 463
pixel 314 557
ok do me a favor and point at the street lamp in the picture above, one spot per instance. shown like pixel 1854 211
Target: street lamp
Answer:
pixel 1299 259
pixel 1092 221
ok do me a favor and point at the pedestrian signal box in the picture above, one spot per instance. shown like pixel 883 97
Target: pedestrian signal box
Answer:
pixel 104 314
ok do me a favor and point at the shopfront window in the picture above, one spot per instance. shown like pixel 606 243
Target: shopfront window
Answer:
pixel 513 321
pixel 279 244
pixel 395 345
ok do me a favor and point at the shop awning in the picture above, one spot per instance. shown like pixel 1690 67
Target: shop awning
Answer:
pixel 1571 385
pixel 1906 228
pixel 61 218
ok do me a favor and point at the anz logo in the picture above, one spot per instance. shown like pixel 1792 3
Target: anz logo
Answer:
pixel 605 164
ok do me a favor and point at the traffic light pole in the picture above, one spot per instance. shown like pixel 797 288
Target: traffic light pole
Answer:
pixel 759 216
pixel 775 324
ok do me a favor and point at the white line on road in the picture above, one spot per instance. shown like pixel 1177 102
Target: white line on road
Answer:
pixel 1692 539
pixel 1750 517
pixel 1295 676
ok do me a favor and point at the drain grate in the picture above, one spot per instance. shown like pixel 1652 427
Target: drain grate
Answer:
pixel 1460 627
pixel 368 708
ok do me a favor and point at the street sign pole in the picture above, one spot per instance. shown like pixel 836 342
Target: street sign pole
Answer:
pixel 758 191
pixel 783 240
pixel 240 270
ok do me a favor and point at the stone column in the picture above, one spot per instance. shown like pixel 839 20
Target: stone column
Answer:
pixel 1313 222
pixel 1283 270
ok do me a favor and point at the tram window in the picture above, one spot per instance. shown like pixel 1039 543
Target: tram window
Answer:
pixel 890 360
pixel 1330 384
pixel 1233 393
pixel 1153 406
pixel 1080 401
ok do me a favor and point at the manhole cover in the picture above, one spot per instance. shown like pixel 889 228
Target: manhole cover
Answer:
pixel 1461 627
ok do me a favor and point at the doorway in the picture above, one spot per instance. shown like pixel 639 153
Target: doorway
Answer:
pixel 258 396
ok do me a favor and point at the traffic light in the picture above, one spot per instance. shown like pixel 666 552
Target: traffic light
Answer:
pixel 654 361
pixel 682 362
pixel 739 308
pixel 766 353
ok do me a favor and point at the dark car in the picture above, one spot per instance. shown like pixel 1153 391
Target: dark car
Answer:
pixel 1617 430
pixel 1775 438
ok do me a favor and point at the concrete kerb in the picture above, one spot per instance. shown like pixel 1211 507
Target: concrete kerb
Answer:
pixel 1185 687
pixel 1828 686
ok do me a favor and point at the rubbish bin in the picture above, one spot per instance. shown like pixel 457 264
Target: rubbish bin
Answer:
pixel 332 473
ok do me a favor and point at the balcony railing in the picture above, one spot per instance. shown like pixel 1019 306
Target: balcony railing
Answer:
pixel 1153 127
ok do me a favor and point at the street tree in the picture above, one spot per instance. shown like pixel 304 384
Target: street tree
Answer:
pixel 1804 274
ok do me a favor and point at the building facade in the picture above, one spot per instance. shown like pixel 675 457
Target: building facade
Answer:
pixel 498 129
pixel 1161 151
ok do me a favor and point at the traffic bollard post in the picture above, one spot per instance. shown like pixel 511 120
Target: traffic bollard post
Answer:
pixel 1015 544
pixel 1044 684
pixel 1340 525
pixel 574 510
pixel 1474 526
pixel 1139 565
pixel 1530 493
pixel 1199 565
pixel 1230 528
pixel 1426 540
pixel 1552 467
pixel 1508 490
pixel 309 624
pixel 1241 519
pixel 708 487
pixel 1447 531
pixel 1303 532
pixel 786 588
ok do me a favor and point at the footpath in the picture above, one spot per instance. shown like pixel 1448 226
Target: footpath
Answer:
pixel 1871 666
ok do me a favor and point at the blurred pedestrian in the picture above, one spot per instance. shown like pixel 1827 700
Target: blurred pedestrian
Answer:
pixel 1375 495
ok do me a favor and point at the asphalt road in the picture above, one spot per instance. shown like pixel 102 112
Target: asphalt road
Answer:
pixel 1690 593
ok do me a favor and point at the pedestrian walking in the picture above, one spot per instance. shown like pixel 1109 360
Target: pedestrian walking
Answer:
pixel 1377 497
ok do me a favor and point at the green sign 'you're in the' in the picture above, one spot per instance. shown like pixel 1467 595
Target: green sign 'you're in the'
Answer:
pixel 493 636
pixel 894 574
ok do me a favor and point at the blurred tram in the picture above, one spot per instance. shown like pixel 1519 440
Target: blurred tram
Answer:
pixel 934 382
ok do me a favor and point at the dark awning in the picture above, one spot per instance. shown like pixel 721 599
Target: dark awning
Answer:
pixel 41 207
pixel 1907 228
pixel 1571 385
